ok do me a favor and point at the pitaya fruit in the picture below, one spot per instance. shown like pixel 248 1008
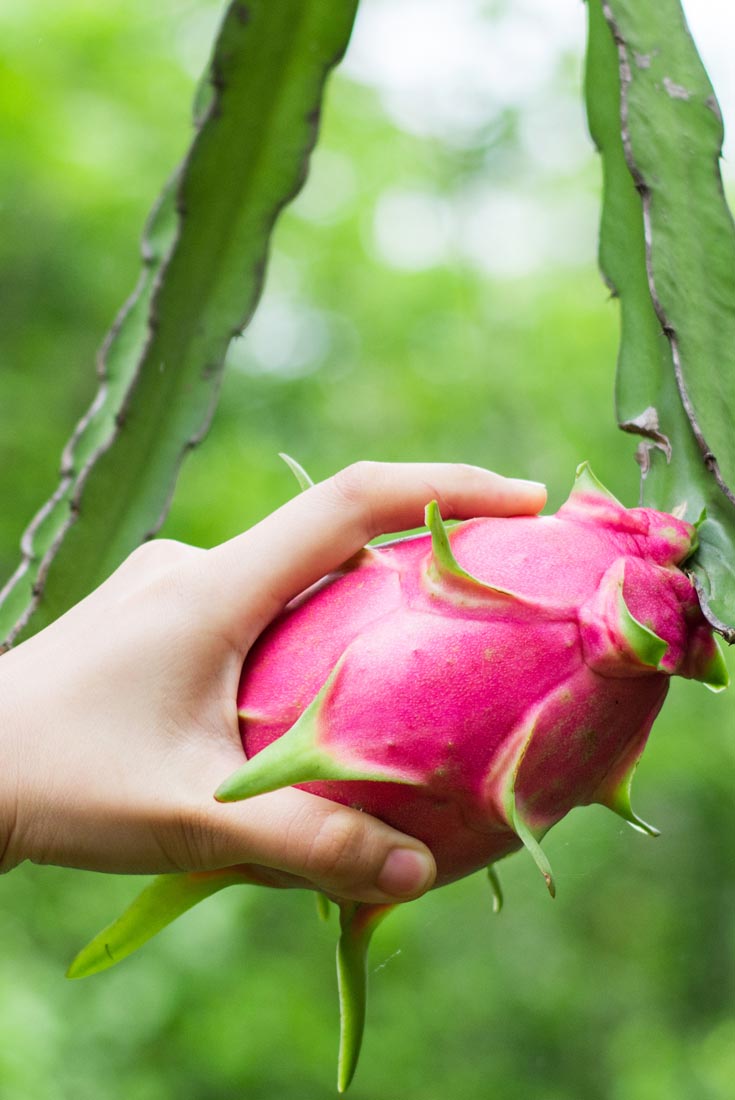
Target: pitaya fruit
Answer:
pixel 472 686
pixel 469 687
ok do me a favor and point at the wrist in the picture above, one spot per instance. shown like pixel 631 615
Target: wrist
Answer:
pixel 11 734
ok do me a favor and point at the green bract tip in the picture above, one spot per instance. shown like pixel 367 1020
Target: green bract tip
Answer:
pixel 448 575
pixel 298 471
pixel 160 903
pixel 358 921
pixel 298 757
pixel 716 676
pixel 586 482
pixel 644 642
pixel 497 890
pixel 532 846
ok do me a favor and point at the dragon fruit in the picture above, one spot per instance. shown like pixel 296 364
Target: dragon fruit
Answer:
pixel 472 686
pixel 469 687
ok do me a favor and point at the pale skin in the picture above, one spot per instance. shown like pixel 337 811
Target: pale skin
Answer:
pixel 119 721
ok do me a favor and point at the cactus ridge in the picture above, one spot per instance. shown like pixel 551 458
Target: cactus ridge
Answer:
pixel 203 268
pixel 667 250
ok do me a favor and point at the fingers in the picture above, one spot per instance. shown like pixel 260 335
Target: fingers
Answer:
pixel 258 572
pixel 341 851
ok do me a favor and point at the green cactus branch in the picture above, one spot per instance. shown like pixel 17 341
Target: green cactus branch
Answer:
pixel 204 254
pixel 667 249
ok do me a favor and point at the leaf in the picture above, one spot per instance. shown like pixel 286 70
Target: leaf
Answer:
pixel 667 248
pixel 204 254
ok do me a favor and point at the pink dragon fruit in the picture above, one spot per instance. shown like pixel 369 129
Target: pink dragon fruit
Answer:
pixel 469 687
pixel 472 686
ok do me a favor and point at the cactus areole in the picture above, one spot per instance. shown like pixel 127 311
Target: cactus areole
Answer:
pixel 469 687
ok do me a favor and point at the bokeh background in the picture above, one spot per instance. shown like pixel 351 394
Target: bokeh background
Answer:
pixel 432 293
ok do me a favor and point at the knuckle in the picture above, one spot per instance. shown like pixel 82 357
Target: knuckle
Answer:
pixel 339 852
pixel 354 483
pixel 466 469
pixel 444 503
pixel 159 553
pixel 190 844
pixel 157 556
pixel 357 488
pixel 160 569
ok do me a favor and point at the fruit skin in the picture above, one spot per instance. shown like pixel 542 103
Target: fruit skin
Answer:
pixel 472 686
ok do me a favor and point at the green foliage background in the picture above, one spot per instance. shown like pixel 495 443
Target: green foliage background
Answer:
pixel 623 987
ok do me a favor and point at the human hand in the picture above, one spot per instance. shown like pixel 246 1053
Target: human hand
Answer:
pixel 119 721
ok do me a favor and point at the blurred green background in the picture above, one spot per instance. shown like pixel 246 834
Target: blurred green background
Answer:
pixel 432 293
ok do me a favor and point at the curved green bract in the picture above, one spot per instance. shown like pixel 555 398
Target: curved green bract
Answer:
pixel 298 756
pixel 587 484
pixel 323 906
pixel 305 482
pixel 717 676
pixel 618 799
pixel 446 573
pixel 358 921
pixel 531 844
pixel 160 903
pixel 495 887
pixel 644 642
pixel 204 255
pixel 667 249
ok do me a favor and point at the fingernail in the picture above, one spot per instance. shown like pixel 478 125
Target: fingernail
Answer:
pixel 522 483
pixel 406 873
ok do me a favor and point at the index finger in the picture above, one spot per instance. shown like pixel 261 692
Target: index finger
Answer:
pixel 259 571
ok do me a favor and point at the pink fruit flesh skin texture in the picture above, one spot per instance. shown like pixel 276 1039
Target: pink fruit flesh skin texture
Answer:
pixel 495 684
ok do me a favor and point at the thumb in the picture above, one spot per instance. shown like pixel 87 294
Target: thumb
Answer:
pixel 339 850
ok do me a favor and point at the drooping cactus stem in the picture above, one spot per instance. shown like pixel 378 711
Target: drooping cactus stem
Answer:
pixel 667 250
